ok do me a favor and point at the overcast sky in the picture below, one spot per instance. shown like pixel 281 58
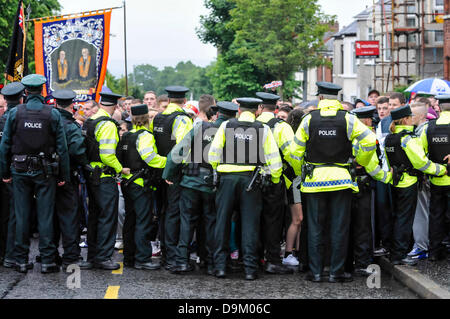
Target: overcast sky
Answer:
pixel 162 33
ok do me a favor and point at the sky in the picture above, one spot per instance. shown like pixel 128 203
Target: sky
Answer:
pixel 162 33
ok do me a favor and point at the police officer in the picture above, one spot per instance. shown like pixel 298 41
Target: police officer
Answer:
pixel 102 137
pixel 197 196
pixel 360 252
pixel 242 149
pixel 32 140
pixel 13 94
pixel 169 128
pixel 273 196
pixel 436 141
pixel 406 156
pixel 67 218
pixel 324 141
pixel 226 111
pixel 138 152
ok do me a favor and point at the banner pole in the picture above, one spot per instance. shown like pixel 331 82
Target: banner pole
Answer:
pixel 125 45
pixel 71 14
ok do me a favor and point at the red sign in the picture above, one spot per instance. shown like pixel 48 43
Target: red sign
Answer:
pixel 367 49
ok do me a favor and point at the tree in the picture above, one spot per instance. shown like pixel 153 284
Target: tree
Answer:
pixel 280 36
pixel 42 8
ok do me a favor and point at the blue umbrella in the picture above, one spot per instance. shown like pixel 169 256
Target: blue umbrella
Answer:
pixel 430 86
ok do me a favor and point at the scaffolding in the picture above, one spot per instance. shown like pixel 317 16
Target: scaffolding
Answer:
pixel 403 25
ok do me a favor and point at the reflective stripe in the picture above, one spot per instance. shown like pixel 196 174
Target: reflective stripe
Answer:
pixel 423 169
pixel 438 169
pixel 150 158
pixel 266 131
pixel 275 166
pixel 375 172
pixel 329 183
pixel 283 147
pixel 369 149
pixel 364 135
pixel 296 158
pixel 406 140
pixel 272 156
pixel 216 150
pixel 107 151
pixel 298 142
pixel 178 121
pixel 99 126
pixel 384 177
pixel 351 123
pixel 108 141
pixel 146 150
pixel 306 127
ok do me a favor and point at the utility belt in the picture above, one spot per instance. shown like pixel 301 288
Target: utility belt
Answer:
pixel 152 177
pixel 308 169
pixel 195 169
pixel 33 163
pixel 94 174
pixel 398 176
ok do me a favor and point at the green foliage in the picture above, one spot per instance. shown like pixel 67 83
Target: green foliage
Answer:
pixel 146 77
pixel 214 26
pixel 280 36
pixel 39 9
pixel 260 41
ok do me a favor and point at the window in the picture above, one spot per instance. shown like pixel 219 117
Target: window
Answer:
pixel 411 9
pixel 370 34
pixel 411 22
pixel 342 59
pixel 438 36
pixel 439 3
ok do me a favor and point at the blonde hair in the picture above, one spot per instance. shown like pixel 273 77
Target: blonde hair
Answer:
pixel 397 122
pixel 141 120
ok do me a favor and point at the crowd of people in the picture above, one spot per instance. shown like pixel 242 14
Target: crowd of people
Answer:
pixel 252 184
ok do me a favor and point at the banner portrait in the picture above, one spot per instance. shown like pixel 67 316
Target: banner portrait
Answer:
pixel 72 53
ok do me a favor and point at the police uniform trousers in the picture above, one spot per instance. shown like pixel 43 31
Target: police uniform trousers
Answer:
pixel 405 202
pixel 360 241
pixel 172 223
pixel 272 221
pixel 25 188
pixel 196 211
pixel 4 217
pixel 102 220
pixel 161 207
pixel 384 214
pixel 138 225
pixel 232 189
pixel 11 230
pixel 67 221
pixel 439 212
pixel 334 208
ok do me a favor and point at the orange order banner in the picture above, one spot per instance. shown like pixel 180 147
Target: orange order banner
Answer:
pixel 72 53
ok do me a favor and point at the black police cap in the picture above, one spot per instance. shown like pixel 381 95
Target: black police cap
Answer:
pixel 249 102
pixel 328 88
pixel 176 92
pixel 366 112
pixel 64 96
pixel 227 107
pixel 268 98
pixel 443 99
pixel 13 90
pixel 109 99
pixel 141 109
pixel 401 112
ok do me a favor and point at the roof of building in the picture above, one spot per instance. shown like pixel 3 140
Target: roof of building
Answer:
pixel 351 29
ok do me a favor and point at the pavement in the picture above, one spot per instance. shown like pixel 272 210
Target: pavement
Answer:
pixel 429 280
pixel 129 283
